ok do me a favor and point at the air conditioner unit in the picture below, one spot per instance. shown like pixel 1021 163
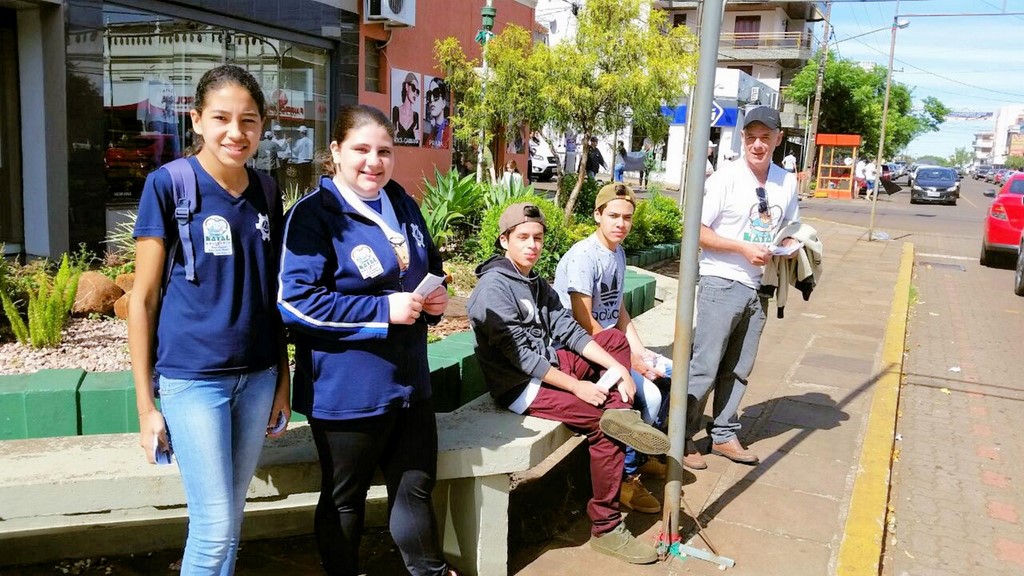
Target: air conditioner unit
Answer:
pixel 390 12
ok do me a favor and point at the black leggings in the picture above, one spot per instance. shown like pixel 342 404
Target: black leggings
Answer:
pixel 403 443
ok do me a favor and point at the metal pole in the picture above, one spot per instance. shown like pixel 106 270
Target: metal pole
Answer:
pixel 885 114
pixel 807 132
pixel 822 62
pixel 480 148
pixel 699 130
pixel 689 112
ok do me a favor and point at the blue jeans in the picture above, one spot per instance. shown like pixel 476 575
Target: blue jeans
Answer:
pixel 619 172
pixel 730 319
pixel 217 428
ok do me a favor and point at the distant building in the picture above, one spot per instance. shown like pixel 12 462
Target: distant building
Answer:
pixel 1008 138
pixel 983 148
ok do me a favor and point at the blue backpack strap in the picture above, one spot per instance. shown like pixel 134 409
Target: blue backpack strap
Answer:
pixel 183 178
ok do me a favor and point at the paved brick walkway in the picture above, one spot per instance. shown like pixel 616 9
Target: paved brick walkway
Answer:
pixel 957 485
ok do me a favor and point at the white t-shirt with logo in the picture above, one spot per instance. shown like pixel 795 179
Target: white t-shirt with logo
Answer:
pixel 590 269
pixel 731 210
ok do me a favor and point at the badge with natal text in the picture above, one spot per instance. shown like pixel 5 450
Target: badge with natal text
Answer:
pixel 217 236
pixel 366 261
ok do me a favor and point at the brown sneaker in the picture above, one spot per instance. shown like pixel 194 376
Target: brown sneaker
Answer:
pixel 692 458
pixel 653 468
pixel 733 450
pixel 635 496
pixel 619 543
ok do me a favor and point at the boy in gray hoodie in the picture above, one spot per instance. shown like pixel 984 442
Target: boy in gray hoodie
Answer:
pixel 538 361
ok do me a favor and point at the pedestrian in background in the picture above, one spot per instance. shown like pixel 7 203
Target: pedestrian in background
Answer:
pixel 648 150
pixel 789 162
pixel 353 251
pixel 302 159
pixel 619 169
pixel 595 160
pixel 214 341
pixel 745 204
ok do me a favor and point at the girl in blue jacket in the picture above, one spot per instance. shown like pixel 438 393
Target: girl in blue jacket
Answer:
pixel 354 251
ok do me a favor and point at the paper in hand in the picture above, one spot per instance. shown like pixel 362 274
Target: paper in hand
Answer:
pixel 786 250
pixel 609 379
pixel 429 283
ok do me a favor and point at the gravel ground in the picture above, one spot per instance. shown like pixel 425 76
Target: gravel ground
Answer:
pixel 92 345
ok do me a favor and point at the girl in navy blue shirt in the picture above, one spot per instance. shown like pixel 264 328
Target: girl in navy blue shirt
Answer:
pixel 213 340
pixel 354 251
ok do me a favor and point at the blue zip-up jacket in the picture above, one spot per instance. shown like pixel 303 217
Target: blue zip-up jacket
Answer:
pixel 349 362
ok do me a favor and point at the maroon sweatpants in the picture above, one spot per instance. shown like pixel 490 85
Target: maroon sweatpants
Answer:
pixel 607 456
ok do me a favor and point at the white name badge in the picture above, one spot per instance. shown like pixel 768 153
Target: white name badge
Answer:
pixel 217 236
pixel 366 261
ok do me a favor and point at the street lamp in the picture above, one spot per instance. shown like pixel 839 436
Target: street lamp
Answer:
pixel 896 24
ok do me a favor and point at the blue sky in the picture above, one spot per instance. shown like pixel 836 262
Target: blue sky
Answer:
pixel 967 62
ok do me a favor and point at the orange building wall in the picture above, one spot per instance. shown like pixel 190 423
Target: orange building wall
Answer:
pixel 413 49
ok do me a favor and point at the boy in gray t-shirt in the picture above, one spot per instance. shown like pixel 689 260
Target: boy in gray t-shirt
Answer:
pixel 589 280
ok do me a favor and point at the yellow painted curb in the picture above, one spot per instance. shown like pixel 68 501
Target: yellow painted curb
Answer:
pixel 861 550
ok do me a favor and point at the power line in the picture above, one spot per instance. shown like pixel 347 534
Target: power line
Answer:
pixel 946 78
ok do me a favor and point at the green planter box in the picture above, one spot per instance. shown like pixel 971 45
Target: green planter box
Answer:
pixel 39 405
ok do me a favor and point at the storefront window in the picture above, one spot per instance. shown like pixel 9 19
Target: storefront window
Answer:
pixel 132 80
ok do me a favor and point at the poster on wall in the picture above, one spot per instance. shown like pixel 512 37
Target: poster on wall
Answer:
pixel 437 130
pixel 405 107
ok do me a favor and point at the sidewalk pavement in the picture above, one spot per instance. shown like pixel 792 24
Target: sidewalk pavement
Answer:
pixel 806 414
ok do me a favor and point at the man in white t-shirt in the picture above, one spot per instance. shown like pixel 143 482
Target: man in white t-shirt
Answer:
pixel 746 203
pixel 590 281
pixel 789 162
pixel 871 175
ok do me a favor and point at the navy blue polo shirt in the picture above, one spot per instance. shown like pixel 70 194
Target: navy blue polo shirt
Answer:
pixel 225 322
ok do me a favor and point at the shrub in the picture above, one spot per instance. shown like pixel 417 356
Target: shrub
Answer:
pixel 121 239
pixel 448 202
pixel 657 220
pixel 49 304
pixel 556 239
pixel 580 230
pixel 500 193
pixel 584 207
pixel 665 220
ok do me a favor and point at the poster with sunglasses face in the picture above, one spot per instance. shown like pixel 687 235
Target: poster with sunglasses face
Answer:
pixel 437 101
pixel 405 107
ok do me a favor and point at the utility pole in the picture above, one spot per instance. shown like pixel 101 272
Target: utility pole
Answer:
pixel 809 147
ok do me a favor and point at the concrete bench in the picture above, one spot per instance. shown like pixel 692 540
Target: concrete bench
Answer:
pixel 95 495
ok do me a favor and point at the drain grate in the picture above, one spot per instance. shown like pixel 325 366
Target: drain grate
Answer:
pixel 947 265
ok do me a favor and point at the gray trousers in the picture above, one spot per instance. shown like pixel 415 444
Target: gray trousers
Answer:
pixel 730 319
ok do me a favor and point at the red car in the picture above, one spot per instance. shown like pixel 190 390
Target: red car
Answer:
pixel 1004 221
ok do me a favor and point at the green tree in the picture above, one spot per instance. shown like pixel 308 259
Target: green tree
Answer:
pixel 961 157
pixel 625 60
pixel 852 100
pixel 508 100
pixel 1015 162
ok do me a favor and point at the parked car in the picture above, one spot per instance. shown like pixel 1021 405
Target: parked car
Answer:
pixel 1000 176
pixel 543 160
pixel 1004 221
pixel 981 171
pixel 935 184
pixel 1018 276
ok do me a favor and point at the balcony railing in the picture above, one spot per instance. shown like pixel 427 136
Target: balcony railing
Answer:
pixel 765 40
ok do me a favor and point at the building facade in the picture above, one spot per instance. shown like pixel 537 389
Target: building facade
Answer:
pixel 982 148
pixel 1008 138
pixel 96 94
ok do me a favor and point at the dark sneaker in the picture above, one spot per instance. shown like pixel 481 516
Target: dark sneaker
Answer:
pixel 619 543
pixel 627 427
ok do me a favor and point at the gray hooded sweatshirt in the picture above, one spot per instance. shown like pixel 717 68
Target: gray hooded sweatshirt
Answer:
pixel 519 323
